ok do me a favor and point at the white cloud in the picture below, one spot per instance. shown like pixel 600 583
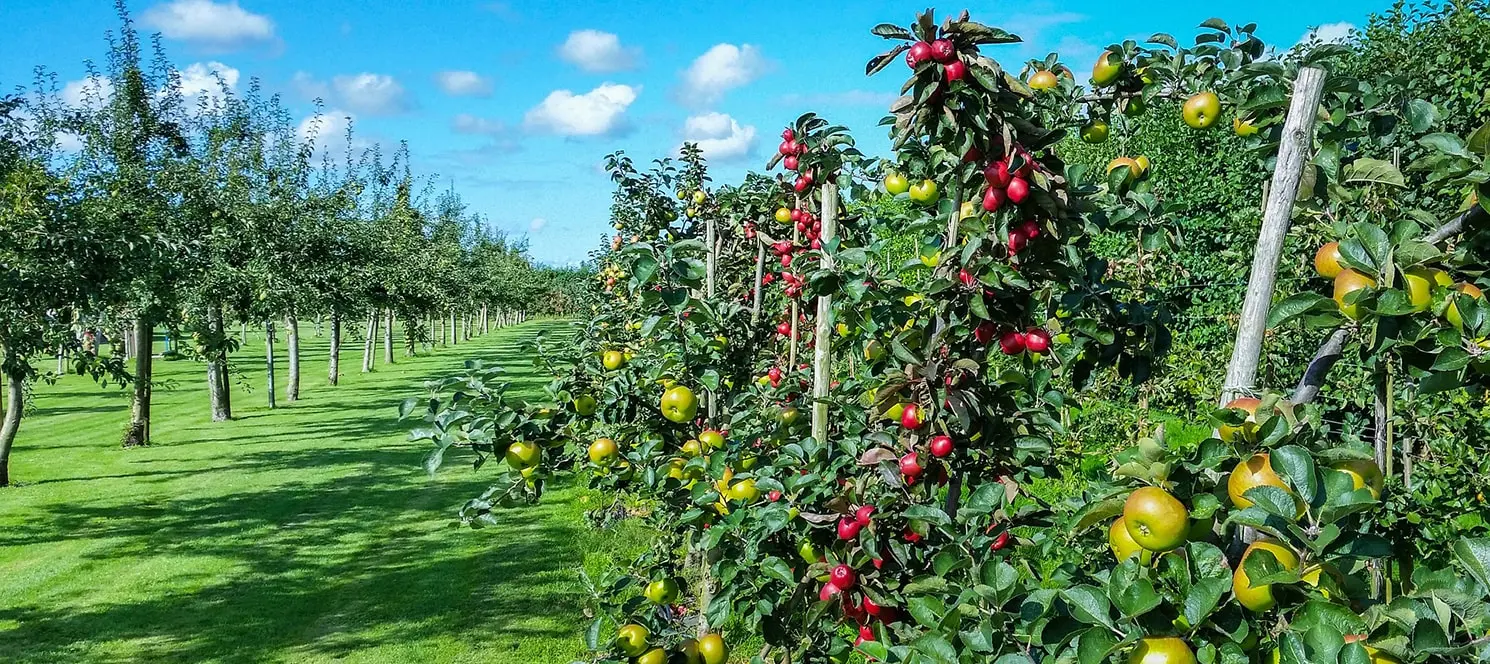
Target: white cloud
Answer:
pixel 537 224
pixel 465 123
pixel 719 136
pixel 598 112
pixel 599 52
pixel 719 70
pixel 200 81
pixel 373 94
pixel 212 25
pixel 326 130
pixel 463 83
pixel 1330 32
pixel 91 92
pixel 69 142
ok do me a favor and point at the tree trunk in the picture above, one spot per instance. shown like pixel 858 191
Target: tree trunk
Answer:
pixel 292 347
pixel 454 331
pixel 370 343
pixel 333 367
pixel 388 339
pixel 485 323
pixel 1293 153
pixel 144 352
pixel 217 369
pixel 269 359
pixel 14 402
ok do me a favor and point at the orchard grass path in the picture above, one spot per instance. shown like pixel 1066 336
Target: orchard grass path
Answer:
pixel 308 533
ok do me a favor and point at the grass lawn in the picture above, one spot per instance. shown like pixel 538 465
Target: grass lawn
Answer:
pixel 307 533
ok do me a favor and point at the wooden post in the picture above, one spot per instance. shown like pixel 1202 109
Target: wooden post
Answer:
pixel 269 360
pixel 1293 155
pixel 711 238
pixel 822 357
pixel 791 358
pixel 760 273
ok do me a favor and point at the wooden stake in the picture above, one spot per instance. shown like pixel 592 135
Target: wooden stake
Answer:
pixel 1293 154
pixel 822 357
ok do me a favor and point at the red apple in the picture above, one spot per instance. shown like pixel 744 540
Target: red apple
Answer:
pixel 788 135
pixel 942 50
pixel 773 496
pixel 910 417
pixel 843 576
pixel 870 608
pixel 1031 229
pixel 941 446
pixel 910 465
pixel 966 277
pixel 984 332
pixel 865 634
pixel 787 147
pixel 1018 190
pixel 919 52
pixel 863 514
pixel 1037 340
pixel 829 592
pixel 993 199
pixel 1017 241
pixel 790 162
pixel 956 70
pixel 997 173
pixel 1001 541
pixel 848 529
pixel 1012 343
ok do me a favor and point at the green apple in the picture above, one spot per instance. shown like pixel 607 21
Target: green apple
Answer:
pixel 924 193
pixel 1202 110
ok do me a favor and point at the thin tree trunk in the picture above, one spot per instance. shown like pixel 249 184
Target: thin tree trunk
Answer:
pixel 822 344
pixel 388 338
pixel 292 347
pixel 14 402
pixel 370 343
pixel 217 369
pixel 144 349
pixel 454 331
pixel 333 367
pixel 485 322
pixel 269 359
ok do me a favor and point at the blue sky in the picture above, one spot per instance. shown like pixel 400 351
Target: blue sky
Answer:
pixel 515 103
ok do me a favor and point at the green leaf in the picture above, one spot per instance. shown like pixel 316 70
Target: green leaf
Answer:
pixel 1088 604
pixel 1297 305
pixel 928 514
pixel 1130 591
pixel 1094 645
pixel 1445 143
pixel 1296 467
pixel 936 648
pixel 407 406
pixel 1474 555
pixel 1367 170
pixel 927 609
pixel 777 568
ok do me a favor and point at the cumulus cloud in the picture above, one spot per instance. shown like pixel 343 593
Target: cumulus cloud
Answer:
pixel 722 68
pixel 599 52
pixel 1330 32
pixel 327 131
pixel 537 224
pixel 373 94
pixel 599 112
pixel 91 92
pixel 465 123
pixel 200 80
pixel 719 136
pixel 463 83
pixel 208 24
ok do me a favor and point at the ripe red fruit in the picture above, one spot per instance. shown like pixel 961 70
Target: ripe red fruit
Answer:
pixel 790 162
pixel 1001 541
pixel 816 244
pixel 801 184
pixel 942 50
pixel 1029 163
pixel 919 52
pixel 870 608
pixel 829 592
pixel 843 576
pixel 786 260
pixel 1012 343
pixel 956 70
pixel 1017 240
pixel 910 418
pixel 911 536
pixel 787 147
pixel 910 465
pixel 773 496
pixel 784 328
pixel 966 277
pixel 865 634
pixel 1030 229
pixel 941 446
pixel 848 529
pixel 993 199
pixel 863 514
pixel 1018 190
pixel 788 135
pixel 775 372
pixel 1037 340
pixel 997 173
pixel 796 214
pixel 984 332
pixel 972 155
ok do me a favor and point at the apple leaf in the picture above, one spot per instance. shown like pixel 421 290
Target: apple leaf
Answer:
pixel 1263 568
pixel 1094 645
pixel 1445 143
pixel 1088 604
pixel 1474 555
pixel 1298 305
pixel 891 31
pixel 1421 115
pixel 1367 170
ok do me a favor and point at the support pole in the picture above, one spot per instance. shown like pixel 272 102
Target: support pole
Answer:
pixel 822 356
pixel 1293 154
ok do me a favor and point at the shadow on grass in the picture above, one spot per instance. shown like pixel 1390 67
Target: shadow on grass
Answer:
pixel 328 568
